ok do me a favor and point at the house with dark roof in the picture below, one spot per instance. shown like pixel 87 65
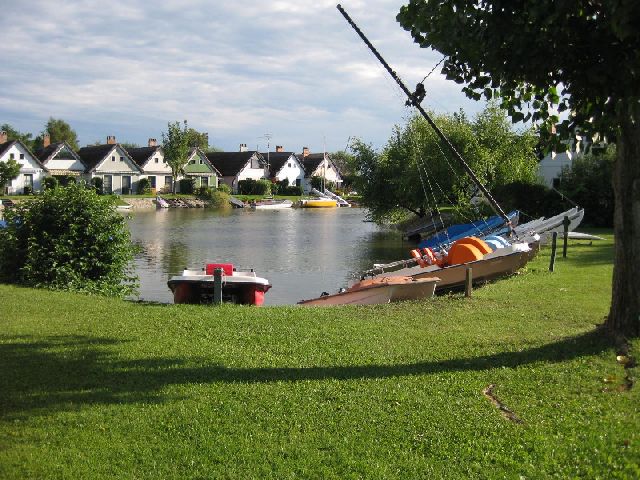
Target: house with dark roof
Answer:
pixel 237 166
pixel 60 160
pixel 112 163
pixel 284 166
pixel 31 169
pixel 200 168
pixel 319 165
pixel 154 166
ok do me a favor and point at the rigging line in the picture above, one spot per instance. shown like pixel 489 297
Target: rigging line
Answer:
pixel 433 69
pixel 446 232
pixel 416 104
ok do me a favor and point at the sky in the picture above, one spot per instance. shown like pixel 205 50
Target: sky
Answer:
pixel 263 73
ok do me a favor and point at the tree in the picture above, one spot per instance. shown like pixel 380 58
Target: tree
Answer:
pixel 9 171
pixel 59 131
pixel 68 238
pixel 580 57
pixel 175 143
pixel 416 173
pixel 13 134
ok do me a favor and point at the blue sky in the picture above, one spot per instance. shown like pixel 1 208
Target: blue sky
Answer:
pixel 236 69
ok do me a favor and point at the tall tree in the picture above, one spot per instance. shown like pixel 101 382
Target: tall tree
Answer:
pixel 579 56
pixel 13 134
pixel 59 131
pixel 176 146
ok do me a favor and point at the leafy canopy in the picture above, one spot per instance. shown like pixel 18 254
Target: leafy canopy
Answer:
pixel 9 171
pixel 68 238
pixel 176 147
pixel 59 131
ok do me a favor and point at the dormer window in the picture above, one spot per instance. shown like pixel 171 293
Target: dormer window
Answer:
pixel 200 161
pixel 113 158
pixel 122 159
pixel 22 156
pixel 156 160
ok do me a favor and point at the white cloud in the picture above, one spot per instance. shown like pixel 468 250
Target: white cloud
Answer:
pixel 233 68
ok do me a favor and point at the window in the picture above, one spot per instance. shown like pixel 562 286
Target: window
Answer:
pixel 200 161
pixel 126 185
pixel 107 182
pixel 204 181
pixel 289 164
pixel 152 180
pixel 191 162
pixel 122 159
pixel 113 159
pixel 168 181
pixel 12 156
pixel 156 160
pixel 22 156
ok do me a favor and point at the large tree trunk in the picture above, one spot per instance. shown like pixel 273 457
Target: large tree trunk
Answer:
pixel 624 316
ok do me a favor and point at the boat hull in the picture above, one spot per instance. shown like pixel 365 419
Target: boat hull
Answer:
pixel 196 287
pixel 272 205
pixel 318 203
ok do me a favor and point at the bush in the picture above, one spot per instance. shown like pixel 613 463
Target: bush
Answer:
pixel 187 185
pixel 254 187
pixel 28 190
pixel 533 200
pixel 292 191
pixel 589 183
pixel 219 200
pixel 223 187
pixel 97 185
pixel 49 183
pixel 144 187
pixel 68 238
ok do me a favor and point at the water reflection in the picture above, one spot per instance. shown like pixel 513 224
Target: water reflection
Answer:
pixel 301 251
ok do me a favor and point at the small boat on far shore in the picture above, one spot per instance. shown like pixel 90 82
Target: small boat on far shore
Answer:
pixel 317 203
pixel 271 204
pixel 378 291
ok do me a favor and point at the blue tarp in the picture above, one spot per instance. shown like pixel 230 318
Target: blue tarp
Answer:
pixel 479 228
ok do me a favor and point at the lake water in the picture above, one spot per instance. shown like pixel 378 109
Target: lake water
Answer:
pixel 302 252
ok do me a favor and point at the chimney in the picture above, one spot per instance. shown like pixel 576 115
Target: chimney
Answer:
pixel 46 140
pixel 111 140
pixel 153 142
pixel 279 148
pixel 3 137
pixel 243 147
pixel 305 151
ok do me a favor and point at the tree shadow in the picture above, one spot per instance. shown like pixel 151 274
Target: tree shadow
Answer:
pixel 66 373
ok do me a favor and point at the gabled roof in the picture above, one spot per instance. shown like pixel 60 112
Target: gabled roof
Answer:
pixel 141 155
pixel 203 155
pixel 92 156
pixel 277 160
pixel 50 152
pixel 7 145
pixel 229 164
pixel 313 160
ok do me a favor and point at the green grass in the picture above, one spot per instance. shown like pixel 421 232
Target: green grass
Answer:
pixel 99 388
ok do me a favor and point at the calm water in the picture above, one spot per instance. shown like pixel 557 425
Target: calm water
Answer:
pixel 302 252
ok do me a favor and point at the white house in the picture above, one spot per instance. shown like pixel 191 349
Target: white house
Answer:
pixel 60 159
pixel 31 169
pixel 151 161
pixel 237 166
pixel 112 163
pixel 319 165
pixel 284 166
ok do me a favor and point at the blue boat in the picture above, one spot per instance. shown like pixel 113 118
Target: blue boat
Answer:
pixel 478 228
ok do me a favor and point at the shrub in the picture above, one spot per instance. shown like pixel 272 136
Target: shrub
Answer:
pixel 144 186
pixel 28 190
pixel 97 185
pixel 293 191
pixel 49 183
pixel 68 238
pixel 223 187
pixel 187 185
pixel 533 200
pixel 219 200
pixel 254 187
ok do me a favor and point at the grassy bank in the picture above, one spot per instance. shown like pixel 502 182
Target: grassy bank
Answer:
pixel 98 388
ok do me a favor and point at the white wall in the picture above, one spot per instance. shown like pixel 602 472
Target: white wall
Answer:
pixel 291 173
pixel 28 166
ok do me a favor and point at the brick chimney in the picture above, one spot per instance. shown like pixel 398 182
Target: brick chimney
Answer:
pixel 153 142
pixel 3 137
pixel 243 147
pixel 279 148
pixel 305 151
pixel 46 140
pixel 111 140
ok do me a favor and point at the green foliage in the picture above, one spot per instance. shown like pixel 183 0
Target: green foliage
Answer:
pixel 144 186
pixel 223 187
pixel 27 190
pixel 97 185
pixel 292 191
pixel 316 182
pixel 9 171
pixel 68 239
pixel 532 199
pixel 254 187
pixel 49 183
pixel 588 183
pixel 59 131
pixel 176 147
pixel 198 139
pixel 415 172
pixel 187 185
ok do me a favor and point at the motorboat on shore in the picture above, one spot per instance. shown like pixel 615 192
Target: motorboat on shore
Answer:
pixel 380 290
pixel 271 204
pixel 197 286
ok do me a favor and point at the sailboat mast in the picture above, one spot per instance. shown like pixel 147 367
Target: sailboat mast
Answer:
pixel 496 207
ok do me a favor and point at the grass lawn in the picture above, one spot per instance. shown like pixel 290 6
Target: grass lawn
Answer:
pixel 100 388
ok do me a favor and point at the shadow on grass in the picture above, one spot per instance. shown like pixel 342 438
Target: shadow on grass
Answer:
pixel 65 373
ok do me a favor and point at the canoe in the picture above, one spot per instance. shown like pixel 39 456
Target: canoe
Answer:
pixel 379 291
